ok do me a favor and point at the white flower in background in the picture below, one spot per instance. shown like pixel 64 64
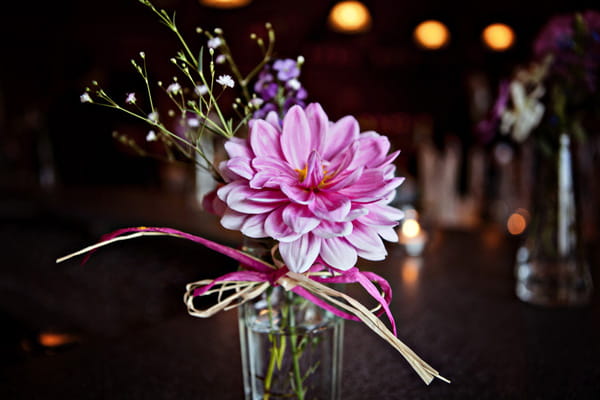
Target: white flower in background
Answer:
pixel 174 88
pixel 85 98
pixel 201 90
pixel 293 84
pixel 153 116
pixel 193 122
pixel 151 136
pixel 220 59
pixel 526 114
pixel 257 102
pixel 214 42
pixel 130 99
pixel 225 80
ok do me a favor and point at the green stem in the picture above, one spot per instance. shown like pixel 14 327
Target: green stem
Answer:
pixel 272 352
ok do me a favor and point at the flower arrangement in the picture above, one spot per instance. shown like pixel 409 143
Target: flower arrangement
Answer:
pixel 546 110
pixel 319 190
pixel 557 91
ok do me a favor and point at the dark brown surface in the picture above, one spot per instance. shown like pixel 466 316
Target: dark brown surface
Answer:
pixel 456 310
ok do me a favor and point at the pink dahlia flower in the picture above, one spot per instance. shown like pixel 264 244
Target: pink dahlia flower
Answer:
pixel 322 189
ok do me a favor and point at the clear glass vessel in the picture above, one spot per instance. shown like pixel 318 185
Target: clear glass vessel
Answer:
pixel 291 348
pixel 551 265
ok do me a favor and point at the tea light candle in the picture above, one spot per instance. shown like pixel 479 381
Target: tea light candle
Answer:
pixel 411 235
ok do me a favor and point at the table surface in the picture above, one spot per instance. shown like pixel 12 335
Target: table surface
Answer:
pixel 131 336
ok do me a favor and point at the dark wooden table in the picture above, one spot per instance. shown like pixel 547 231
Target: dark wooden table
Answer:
pixel 133 339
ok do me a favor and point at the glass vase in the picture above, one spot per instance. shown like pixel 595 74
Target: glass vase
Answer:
pixel 551 265
pixel 290 347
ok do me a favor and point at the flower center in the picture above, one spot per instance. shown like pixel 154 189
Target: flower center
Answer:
pixel 304 171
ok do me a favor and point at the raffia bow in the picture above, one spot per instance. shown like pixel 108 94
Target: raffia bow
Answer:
pixel 236 288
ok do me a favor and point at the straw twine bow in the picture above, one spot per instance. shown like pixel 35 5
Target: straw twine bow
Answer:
pixel 259 275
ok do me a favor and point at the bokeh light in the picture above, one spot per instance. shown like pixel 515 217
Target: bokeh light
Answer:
pixel 350 17
pixel 225 3
pixel 517 222
pixel 498 37
pixel 431 35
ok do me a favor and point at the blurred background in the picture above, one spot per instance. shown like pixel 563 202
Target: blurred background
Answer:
pixel 65 181
pixel 426 96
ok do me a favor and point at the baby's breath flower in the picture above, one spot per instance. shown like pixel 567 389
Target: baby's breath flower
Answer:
pixel 151 136
pixel 130 99
pixel 174 88
pixel 193 122
pixel 220 59
pixel 214 42
pixel 257 102
pixel 201 90
pixel 153 116
pixel 85 98
pixel 293 84
pixel 225 80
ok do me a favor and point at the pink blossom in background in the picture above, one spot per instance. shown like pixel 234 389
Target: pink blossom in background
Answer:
pixel 322 189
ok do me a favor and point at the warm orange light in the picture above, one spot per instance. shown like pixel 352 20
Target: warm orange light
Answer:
pixel 349 17
pixel 498 37
pixel 411 228
pixel 410 271
pixel 516 223
pixel 432 34
pixel 51 339
pixel 225 3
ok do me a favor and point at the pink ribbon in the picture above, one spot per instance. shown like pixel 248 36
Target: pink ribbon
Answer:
pixel 256 270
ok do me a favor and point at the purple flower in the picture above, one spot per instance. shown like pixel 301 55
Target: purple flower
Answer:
pixel 286 69
pixel 322 189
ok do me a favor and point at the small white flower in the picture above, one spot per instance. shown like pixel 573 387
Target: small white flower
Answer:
pixel 85 98
pixel 293 84
pixel 153 116
pixel 130 99
pixel 151 136
pixel 225 80
pixel 193 122
pixel 256 102
pixel 174 88
pixel 300 60
pixel 201 90
pixel 220 59
pixel 527 113
pixel 214 42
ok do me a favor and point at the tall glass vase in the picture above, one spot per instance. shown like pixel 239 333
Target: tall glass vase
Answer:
pixel 551 265
pixel 290 347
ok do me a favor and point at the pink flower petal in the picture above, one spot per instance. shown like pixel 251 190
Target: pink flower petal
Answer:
pixel 276 227
pixel 314 170
pixel 296 138
pixel 338 253
pixel 238 147
pixel 268 196
pixel 371 186
pixel 344 180
pixel 300 254
pixel 265 140
pixel 253 226
pixel 382 215
pixel 340 135
pixel 319 123
pixel 367 242
pixel 329 229
pixel 241 167
pixel 273 119
pixel 388 233
pixel 330 206
pixel 299 218
pixel 239 200
pixel 298 194
pixel 233 220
